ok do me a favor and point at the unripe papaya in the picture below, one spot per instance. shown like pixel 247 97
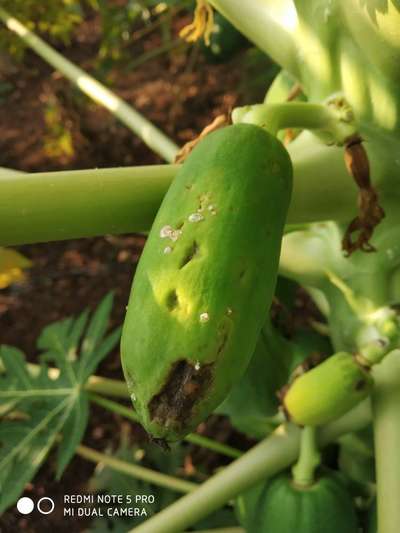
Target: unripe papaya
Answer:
pixel 327 391
pixel 205 280
pixel 282 507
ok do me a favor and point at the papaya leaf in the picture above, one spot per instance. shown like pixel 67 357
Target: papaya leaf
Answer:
pixel 37 410
pixel 252 404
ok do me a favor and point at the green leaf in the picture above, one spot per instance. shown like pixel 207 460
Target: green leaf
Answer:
pixel 73 431
pixel 253 402
pixel 37 409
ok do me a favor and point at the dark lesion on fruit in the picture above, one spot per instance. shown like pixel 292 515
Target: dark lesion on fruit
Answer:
pixel 185 386
pixel 361 384
pixel 171 300
pixel 190 253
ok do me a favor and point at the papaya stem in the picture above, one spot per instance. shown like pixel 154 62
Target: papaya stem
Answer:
pixel 309 458
pixel 50 206
pixel 386 409
pixel 327 122
pixel 136 471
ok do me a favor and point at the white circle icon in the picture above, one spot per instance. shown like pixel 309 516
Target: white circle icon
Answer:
pixel 25 505
pixel 45 499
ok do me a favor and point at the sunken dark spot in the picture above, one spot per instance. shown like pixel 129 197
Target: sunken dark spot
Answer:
pixel 242 274
pixel 223 342
pixel 185 386
pixel 223 337
pixel 191 252
pixel 360 385
pixel 171 300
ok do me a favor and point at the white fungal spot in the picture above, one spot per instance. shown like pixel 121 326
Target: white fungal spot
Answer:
pixel 168 232
pixel 195 217
pixel 175 235
pixel 197 365
pixel 167 250
pixel 229 311
pixel 204 317
pixel 211 207
pixel 133 397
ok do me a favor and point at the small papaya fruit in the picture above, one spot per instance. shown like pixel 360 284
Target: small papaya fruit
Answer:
pixel 327 391
pixel 282 507
pixel 205 280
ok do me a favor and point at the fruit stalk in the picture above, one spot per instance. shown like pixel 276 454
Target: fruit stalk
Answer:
pixel 309 458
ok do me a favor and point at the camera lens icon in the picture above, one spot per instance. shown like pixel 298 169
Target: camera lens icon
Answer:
pixel 26 505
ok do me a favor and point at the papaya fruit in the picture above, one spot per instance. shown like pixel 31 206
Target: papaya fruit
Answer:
pixel 327 391
pixel 205 280
pixel 281 507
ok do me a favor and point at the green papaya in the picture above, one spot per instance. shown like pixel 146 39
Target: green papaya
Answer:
pixel 282 507
pixel 327 391
pixel 205 280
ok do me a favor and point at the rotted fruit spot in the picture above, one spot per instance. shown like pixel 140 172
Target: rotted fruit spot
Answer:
pixel 171 300
pixel 191 252
pixel 186 384
pixel 361 384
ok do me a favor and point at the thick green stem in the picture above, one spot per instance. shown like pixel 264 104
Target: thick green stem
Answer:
pixel 328 122
pixel 71 204
pixel 136 471
pixel 268 24
pixel 309 458
pixel 193 438
pixel 150 134
pixel 265 459
pixel 107 386
pixel 386 417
